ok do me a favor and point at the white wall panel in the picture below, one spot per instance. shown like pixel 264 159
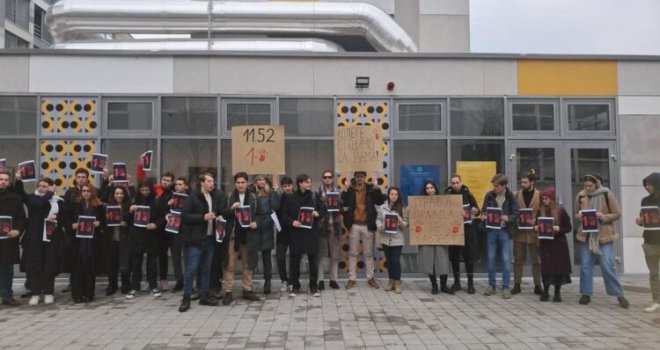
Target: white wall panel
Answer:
pixel 633 256
pixel 639 78
pixel 14 73
pixel 639 105
pixel 444 7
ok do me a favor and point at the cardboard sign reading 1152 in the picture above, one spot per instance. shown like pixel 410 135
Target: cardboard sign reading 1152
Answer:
pixel 85 227
pixel 332 201
pixel 5 226
pixel 243 215
pixel 546 227
pixel 173 222
pixel 141 216
pixel 49 230
pixel 391 223
pixel 306 217
pixel 526 219
pixel 220 227
pixel 650 217
pixel 494 218
pixel 112 215
pixel 589 221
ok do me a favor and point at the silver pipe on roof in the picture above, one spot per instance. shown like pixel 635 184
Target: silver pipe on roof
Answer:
pixel 69 19
pixel 254 45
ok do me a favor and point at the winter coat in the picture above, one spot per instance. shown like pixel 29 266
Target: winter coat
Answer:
pixel 374 197
pixel 391 239
pixel 303 240
pixel 611 211
pixel 329 233
pixel 554 253
pixel 528 236
pixel 653 199
pixel 142 240
pixel 194 228
pixel 11 205
pixel 265 232
pixel 509 208
pixel 243 235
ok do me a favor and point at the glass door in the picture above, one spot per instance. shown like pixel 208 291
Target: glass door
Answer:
pixel 539 157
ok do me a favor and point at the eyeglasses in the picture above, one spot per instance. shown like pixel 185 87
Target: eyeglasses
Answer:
pixel 327 177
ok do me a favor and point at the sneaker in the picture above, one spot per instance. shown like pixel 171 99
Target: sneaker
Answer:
pixel 373 283
pixel 132 294
pixel 321 285
pixel 49 299
pixel 208 300
pixel 315 292
pixel 283 287
pixel 350 284
pixel 34 300
pixel 506 293
pixel 155 293
pixel 228 298
pixel 294 292
pixel 585 299
pixel 334 285
pixel 163 285
pixel 623 302
pixel 11 302
pixel 653 308
pixel 490 291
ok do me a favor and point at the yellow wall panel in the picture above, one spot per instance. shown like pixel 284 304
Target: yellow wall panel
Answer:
pixel 567 77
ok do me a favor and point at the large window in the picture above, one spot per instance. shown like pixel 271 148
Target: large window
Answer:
pixel 243 113
pixel 310 157
pixel 533 116
pixel 477 150
pixel 18 115
pixel 188 158
pixel 589 116
pixel 40 28
pixel 129 116
pixel 18 11
pixel 307 117
pixel 128 151
pixel 426 117
pixel 477 117
pixel 189 116
pixel 16 151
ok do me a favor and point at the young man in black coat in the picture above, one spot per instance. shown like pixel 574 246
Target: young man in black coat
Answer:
pixel 11 205
pixel 198 219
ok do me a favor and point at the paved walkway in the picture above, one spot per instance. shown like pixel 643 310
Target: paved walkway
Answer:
pixel 359 318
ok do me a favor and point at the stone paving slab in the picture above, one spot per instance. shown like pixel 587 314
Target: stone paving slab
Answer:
pixel 361 318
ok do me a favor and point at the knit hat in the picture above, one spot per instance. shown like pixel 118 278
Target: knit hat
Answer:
pixel 550 193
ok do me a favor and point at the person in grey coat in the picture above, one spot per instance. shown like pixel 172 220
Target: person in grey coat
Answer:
pixel 268 201
pixel 434 259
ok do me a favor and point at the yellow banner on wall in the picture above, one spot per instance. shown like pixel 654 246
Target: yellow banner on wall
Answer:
pixel 476 176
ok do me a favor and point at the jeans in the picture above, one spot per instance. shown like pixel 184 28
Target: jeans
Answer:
pixel 199 257
pixel 499 237
pixel 652 256
pixel 610 277
pixel 6 279
pixel 393 258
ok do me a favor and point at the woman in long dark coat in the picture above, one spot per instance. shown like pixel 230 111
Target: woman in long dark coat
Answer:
pixel 268 200
pixel 303 240
pixel 115 243
pixel 555 257
pixel 40 256
pixel 83 274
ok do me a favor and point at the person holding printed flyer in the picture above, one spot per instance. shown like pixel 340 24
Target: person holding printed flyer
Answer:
pixel 595 196
pixel 11 209
pixel 553 251
pixel 392 219
pixel 116 242
pixel 330 230
pixel 268 201
pixel 652 238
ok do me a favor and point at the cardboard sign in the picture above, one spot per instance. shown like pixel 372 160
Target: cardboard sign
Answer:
pixel 119 173
pixel 545 227
pixel 112 216
pixel 147 160
pixel 220 229
pixel 494 218
pixel 467 214
pixel 650 218
pixel 27 171
pixel 391 223
pixel 177 201
pixel 358 148
pixel 99 162
pixel 3 164
pixel 243 215
pixel 525 219
pixel 332 201
pixel 589 221
pixel 141 216
pixel 436 220
pixel 306 217
pixel 85 227
pixel 257 149
pixel 5 226
pixel 173 222
pixel 49 230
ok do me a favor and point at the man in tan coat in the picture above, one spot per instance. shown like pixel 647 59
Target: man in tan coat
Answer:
pixel 526 240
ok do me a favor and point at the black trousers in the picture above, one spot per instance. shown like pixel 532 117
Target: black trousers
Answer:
pixel 267 260
pixel 164 239
pixel 176 251
pixel 215 275
pixel 283 243
pixel 295 270
pixel 468 252
pixel 83 274
pixel 136 269
pixel 41 267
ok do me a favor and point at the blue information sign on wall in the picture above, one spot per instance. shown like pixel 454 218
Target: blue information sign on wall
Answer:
pixel 413 177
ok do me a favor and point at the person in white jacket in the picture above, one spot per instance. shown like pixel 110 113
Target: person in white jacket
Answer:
pixel 392 219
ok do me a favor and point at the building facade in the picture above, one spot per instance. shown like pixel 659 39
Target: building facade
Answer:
pixel 23 25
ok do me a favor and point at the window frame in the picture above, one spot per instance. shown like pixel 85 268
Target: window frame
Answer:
pixel 565 103
pixel 224 102
pixel 444 117
pixel 154 132
pixel 533 101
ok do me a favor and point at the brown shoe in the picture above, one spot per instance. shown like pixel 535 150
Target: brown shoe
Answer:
pixel 397 287
pixel 11 302
pixel 350 284
pixel 390 286
pixel 373 283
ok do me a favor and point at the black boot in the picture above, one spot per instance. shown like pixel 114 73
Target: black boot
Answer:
pixel 538 290
pixel 544 294
pixel 267 287
pixel 434 284
pixel 443 285
pixel 470 288
pixel 516 289
pixel 177 287
pixel 112 289
pixel 457 283
pixel 185 304
pixel 557 297
pixel 208 299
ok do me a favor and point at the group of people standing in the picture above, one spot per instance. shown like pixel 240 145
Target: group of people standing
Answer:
pixel 205 263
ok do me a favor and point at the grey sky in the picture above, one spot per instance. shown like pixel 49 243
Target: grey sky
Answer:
pixel 565 26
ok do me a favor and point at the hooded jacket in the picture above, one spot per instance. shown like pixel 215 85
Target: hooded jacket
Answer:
pixel 653 199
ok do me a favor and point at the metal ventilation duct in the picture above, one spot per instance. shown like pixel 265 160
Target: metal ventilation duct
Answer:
pixel 72 19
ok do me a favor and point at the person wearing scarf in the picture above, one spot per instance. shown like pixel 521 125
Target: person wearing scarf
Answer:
pixel 651 244
pixel 596 196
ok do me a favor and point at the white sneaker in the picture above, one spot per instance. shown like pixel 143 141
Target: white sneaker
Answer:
pixel 283 287
pixel 653 308
pixel 48 299
pixel 132 294
pixel 155 293
pixel 34 300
